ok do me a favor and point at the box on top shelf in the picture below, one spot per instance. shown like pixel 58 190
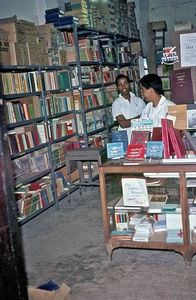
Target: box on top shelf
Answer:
pixel 49 33
pixel 20 31
pixel 19 53
pixel 5 57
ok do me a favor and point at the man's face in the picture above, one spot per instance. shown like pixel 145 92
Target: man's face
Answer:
pixel 123 87
pixel 146 93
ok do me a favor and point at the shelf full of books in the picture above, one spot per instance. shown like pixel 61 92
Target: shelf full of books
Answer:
pixel 95 58
pixel 41 123
pixel 149 205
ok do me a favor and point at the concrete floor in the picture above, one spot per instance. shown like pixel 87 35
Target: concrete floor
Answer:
pixel 68 246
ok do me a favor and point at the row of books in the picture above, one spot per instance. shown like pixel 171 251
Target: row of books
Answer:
pixel 59 151
pixel 24 138
pixel 24 109
pixel 56 80
pixel 58 103
pixel 34 196
pixel 23 82
pixel 93 97
pixel 109 75
pixel 90 75
pixel 30 165
pixel 59 127
pixel 31 107
pixel 95 120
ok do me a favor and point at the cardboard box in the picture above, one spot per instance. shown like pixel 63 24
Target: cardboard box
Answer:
pixel 15 30
pixel 5 58
pixel 63 293
pixel 62 57
pixel 49 33
pixel 33 54
pixel 19 54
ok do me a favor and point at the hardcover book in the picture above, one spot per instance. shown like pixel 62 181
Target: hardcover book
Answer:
pixel 167 145
pixel 179 113
pixel 154 149
pixel 190 140
pixel 135 152
pixel 120 136
pixel 156 134
pixel 182 86
pixel 177 142
pixel 140 137
pixel 135 192
pixel 115 150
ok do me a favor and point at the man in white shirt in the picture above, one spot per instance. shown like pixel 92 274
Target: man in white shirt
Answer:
pixel 157 108
pixel 127 106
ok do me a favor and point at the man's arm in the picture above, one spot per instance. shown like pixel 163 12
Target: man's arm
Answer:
pixel 125 123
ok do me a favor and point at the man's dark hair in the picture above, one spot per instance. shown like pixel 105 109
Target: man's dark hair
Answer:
pixel 152 81
pixel 120 76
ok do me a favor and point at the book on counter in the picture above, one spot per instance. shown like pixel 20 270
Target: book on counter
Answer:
pixel 177 142
pixel 115 150
pixel 167 145
pixel 135 192
pixel 154 149
pixel 156 134
pixel 190 140
pixel 120 136
pixel 140 137
pixel 136 152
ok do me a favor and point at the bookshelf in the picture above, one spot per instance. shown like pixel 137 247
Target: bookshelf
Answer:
pixel 95 58
pixel 179 233
pixel 51 110
pixel 41 123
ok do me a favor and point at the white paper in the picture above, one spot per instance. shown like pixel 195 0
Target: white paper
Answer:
pixel 188 49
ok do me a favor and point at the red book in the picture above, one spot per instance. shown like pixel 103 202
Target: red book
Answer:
pixel 34 187
pixel 36 137
pixel 177 142
pixel 157 134
pixel 182 86
pixel 20 142
pixel 26 111
pixel 140 137
pixel 167 145
pixel 135 151
pixel 58 130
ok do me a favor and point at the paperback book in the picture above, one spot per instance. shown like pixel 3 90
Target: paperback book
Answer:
pixel 115 150
pixel 135 152
pixel 154 149
pixel 120 136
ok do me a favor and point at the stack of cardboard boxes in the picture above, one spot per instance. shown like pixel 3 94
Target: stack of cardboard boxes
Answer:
pixel 23 43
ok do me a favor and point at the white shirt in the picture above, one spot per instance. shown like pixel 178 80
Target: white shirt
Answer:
pixel 157 113
pixel 129 109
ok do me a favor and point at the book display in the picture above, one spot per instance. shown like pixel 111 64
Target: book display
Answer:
pixel 165 218
pixel 41 123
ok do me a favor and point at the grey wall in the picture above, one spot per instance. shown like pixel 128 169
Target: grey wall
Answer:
pixel 170 11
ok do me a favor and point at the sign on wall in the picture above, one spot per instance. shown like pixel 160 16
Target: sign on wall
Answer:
pixel 188 49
